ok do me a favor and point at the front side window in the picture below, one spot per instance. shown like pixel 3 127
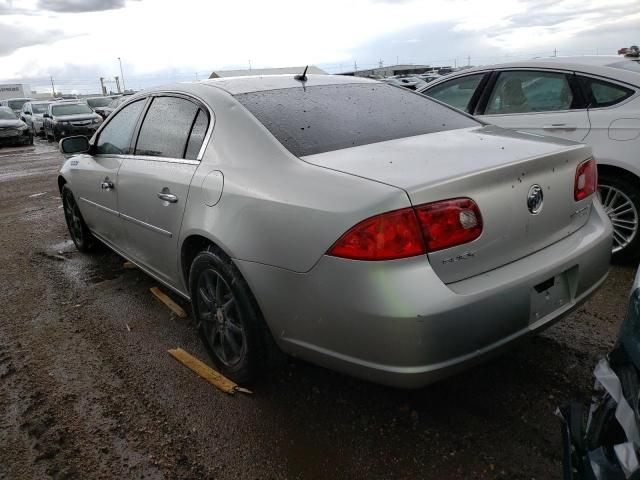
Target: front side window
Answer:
pixel 530 92
pixel 115 137
pixel 456 92
pixel 603 94
pixel 166 127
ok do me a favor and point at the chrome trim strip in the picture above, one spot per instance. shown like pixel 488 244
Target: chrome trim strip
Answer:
pixel 146 225
pixel 101 207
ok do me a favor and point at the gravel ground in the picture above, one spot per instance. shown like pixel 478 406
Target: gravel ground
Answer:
pixel 81 396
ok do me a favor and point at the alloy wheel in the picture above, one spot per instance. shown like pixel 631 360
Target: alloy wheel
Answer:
pixel 74 221
pixel 220 318
pixel 623 215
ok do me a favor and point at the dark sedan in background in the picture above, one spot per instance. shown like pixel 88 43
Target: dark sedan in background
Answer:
pixel 13 131
pixel 64 119
pixel 104 112
pixel 99 102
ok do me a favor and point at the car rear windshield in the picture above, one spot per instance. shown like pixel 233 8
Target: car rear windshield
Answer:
pixel 631 65
pixel 39 107
pixel 70 109
pixel 99 102
pixel 16 104
pixel 323 118
pixel 6 114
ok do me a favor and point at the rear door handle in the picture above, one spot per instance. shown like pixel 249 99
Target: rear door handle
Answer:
pixel 166 196
pixel 560 126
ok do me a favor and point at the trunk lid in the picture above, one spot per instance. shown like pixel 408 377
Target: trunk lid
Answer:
pixel 496 168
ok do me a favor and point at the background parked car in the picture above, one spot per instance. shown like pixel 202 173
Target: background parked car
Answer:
pixel 409 82
pixel 371 229
pixel 99 102
pixel 33 115
pixel 104 112
pixel 67 118
pixel 595 100
pixel 14 104
pixel 13 131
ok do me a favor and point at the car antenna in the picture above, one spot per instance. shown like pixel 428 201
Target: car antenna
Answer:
pixel 303 77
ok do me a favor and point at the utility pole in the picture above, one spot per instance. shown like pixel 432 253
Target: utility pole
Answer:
pixel 397 60
pixel 355 66
pixel 121 76
pixel 249 65
pixel 555 52
pixel 196 76
pixel 53 88
pixel 118 84
pixel 468 60
pixel 380 64
pixel 103 89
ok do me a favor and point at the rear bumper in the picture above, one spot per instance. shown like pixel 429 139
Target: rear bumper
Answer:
pixel 396 323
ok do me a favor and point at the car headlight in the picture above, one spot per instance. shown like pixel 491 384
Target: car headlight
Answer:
pixel 23 127
pixel 97 120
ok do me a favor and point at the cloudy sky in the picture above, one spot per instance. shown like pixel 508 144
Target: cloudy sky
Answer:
pixel 78 41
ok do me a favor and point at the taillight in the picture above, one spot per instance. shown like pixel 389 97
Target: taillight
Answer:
pixel 383 237
pixel 410 232
pixel 449 223
pixel 586 180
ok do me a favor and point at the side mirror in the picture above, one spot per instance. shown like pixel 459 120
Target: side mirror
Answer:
pixel 26 112
pixel 46 115
pixel 77 144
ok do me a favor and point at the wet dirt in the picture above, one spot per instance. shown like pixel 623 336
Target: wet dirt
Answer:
pixel 83 396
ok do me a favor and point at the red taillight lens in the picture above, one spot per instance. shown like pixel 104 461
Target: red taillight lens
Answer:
pixel 410 232
pixel 383 237
pixel 586 180
pixel 449 223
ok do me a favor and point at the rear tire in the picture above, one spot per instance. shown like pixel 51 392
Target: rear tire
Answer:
pixel 228 318
pixel 78 230
pixel 620 198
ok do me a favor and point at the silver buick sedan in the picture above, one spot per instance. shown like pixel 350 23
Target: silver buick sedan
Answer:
pixel 348 222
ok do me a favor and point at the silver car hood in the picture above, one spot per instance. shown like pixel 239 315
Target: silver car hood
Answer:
pixel 494 167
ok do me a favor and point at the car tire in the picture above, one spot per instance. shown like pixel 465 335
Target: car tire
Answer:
pixel 78 230
pixel 620 197
pixel 228 318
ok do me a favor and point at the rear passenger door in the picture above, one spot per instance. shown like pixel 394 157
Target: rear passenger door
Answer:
pixel 154 182
pixel 539 101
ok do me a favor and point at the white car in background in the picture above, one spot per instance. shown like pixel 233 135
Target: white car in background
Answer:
pixel 591 99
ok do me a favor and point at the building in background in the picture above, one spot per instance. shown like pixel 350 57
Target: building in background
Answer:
pixel 391 70
pixel 266 71
pixel 14 90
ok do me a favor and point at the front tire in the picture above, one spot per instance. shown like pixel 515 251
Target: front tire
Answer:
pixel 228 317
pixel 78 230
pixel 620 198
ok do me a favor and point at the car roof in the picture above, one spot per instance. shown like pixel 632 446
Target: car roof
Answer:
pixel 260 83
pixel 17 98
pixel 594 64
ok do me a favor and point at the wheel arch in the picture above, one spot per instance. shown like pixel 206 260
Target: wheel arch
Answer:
pixel 192 245
pixel 619 171
pixel 61 182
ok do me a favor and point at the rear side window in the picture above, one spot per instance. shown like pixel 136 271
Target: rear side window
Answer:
pixel 603 94
pixel 528 92
pixel 317 119
pixel 166 127
pixel 457 92
pixel 115 137
pixel 197 135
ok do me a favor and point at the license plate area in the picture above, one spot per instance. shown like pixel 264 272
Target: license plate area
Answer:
pixel 549 296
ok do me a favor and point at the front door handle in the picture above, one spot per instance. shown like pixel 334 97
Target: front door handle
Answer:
pixel 560 126
pixel 166 196
pixel 107 184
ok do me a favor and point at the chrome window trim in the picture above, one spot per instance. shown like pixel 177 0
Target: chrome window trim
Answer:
pixel 149 158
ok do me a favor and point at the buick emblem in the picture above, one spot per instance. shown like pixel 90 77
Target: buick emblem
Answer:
pixel 535 199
